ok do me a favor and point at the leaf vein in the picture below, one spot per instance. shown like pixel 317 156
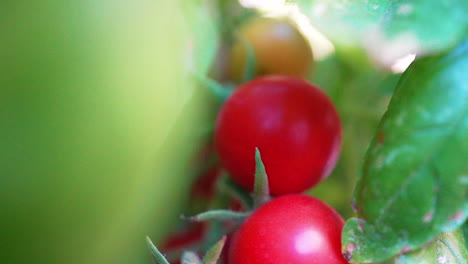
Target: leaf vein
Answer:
pixel 429 158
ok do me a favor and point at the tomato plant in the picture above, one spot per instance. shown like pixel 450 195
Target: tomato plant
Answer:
pixel 293 228
pixel 102 111
pixel 410 199
pixel 412 178
pixel 291 121
pixel 277 44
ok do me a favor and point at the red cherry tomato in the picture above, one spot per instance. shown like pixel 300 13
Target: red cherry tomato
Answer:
pixel 294 228
pixel 294 125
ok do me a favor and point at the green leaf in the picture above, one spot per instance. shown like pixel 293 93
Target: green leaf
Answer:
pixel 446 248
pixel 414 181
pixel 158 257
pixel 398 27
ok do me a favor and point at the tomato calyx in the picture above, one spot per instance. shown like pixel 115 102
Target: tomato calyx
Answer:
pixel 260 196
pixel 225 221
pixel 211 256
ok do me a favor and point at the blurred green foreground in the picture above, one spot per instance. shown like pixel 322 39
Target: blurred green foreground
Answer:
pixel 94 136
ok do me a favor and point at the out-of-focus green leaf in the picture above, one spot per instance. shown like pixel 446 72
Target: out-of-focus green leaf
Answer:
pixel 390 28
pixel 414 181
pixel 202 47
pixel 94 137
pixel 231 14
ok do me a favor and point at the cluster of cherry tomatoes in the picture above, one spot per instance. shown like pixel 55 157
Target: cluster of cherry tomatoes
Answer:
pixel 297 130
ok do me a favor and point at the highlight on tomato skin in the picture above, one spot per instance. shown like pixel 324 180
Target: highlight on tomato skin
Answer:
pixel 279 48
pixel 291 121
pixel 293 228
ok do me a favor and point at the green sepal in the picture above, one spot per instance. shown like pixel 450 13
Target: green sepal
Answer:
pixel 158 257
pixel 218 215
pixel 214 252
pixel 261 189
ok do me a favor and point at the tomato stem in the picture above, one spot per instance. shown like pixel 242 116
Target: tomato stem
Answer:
pixel 249 72
pixel 221 92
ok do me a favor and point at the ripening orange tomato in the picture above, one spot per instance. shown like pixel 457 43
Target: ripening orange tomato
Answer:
pixel 279 48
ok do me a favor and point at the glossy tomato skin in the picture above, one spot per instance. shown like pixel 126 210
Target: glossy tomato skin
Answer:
pixel 279 48
pixel 294 125
pixel 294 228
